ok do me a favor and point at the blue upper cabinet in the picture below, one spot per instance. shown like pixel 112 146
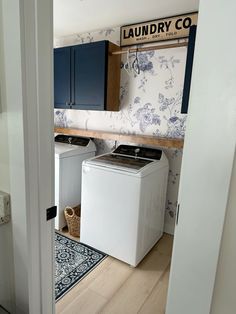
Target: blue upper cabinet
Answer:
pixel 62 77
pixel 89 83
pixel 94 77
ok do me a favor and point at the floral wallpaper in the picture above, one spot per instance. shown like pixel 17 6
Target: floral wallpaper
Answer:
pixel 150 102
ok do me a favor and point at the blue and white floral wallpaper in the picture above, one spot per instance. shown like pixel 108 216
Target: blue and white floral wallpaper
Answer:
pixel 150 104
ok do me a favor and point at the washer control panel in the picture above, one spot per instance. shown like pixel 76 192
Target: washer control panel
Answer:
pixel 72 140
pixel 137 151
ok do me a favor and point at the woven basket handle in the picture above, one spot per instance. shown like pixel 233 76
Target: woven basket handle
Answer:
pixel 69 211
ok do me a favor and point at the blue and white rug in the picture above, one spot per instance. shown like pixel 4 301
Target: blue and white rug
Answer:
pixel 74 260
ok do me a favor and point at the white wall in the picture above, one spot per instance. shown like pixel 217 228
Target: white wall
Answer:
pixel 224 300
pixel 6 245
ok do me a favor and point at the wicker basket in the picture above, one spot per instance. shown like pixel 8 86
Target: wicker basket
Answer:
pixel 72 215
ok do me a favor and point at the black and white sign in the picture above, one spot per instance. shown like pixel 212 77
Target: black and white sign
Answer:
pixel 158 30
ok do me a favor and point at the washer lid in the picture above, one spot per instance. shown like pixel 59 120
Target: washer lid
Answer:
pixel 116 161
pixel 66 146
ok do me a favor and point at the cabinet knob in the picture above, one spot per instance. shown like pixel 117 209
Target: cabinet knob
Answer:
pixel 67 103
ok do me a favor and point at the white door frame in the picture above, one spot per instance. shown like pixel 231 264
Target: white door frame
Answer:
pixel 28 50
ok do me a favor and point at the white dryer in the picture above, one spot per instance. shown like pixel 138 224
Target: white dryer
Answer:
pixel 123 201
pixel 70 151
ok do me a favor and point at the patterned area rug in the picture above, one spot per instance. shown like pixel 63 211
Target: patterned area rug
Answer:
pixel 74 260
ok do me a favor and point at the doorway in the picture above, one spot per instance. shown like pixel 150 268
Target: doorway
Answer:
pixel 68 117
pixel 141 116
pixel 42 120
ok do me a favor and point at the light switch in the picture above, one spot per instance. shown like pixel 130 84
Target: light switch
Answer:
pixel 4 207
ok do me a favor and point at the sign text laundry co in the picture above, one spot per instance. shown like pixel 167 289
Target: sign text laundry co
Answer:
pixel 158 30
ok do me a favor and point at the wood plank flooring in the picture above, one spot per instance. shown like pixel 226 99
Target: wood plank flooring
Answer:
pixel 114 287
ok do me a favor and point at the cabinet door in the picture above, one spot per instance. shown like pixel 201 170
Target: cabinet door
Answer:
pixel 89 76
pixel 188 68
pixel 62 77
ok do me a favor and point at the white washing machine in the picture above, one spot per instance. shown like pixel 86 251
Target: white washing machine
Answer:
pixel 123 201
pixel 70 151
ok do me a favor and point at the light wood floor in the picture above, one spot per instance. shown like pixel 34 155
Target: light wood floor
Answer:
pixel 114 287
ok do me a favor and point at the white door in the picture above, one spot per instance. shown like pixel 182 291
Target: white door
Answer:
pixel 6 249
pixel 207 162
pixel 27 67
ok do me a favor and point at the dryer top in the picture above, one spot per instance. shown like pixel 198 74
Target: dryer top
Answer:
pixel 67 146
pixel 73 140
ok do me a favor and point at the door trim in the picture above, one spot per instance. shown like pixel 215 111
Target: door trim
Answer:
pixel 28 42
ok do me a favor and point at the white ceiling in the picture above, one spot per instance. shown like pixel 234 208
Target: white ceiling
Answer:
pixel 78 16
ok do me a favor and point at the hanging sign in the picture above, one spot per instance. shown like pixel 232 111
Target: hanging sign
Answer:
pixel 162 29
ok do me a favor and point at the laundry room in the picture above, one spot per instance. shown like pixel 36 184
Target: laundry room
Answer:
pixel 117 186
pixel 123 202
pixel 150 104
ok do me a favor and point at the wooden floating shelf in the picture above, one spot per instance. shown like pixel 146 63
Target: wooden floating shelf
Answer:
pixel 132 138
